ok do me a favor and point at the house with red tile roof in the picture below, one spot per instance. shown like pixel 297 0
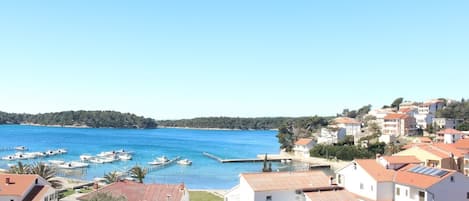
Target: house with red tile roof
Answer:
pixel 367 178
pixel 303 146
pixel 352 126
pixel 26 187
pixel 449 135
pixel 396 124
pixel 438 155
pixel 410 182
pixel 415 183
pixel 271 186
pixel 134 191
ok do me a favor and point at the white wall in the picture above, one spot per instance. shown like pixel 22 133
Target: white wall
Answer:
pixel 451 138
pixel 445 189
pixel 9 198
pixel 285 195
pixel 246 193
pixel 351 179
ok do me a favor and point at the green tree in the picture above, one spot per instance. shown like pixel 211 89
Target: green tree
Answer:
pixel 46 172
pixel 138 173
pixel 99 196
pixel 20 168
pixel 397 102
pixel 111 177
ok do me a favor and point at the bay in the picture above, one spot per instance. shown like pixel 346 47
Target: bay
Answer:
pixel 205 173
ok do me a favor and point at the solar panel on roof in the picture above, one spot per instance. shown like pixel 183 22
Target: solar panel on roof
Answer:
pixel 428 171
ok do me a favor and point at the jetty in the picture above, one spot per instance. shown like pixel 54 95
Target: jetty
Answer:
pixel 259 158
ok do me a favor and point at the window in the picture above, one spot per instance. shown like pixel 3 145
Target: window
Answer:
pixel 452 179
pixel 339 178
pixel 421 196
pixel 299 192
pixel 467 195
pixel 371 188
pixel 406 192
pixel 268 198
pixel 398 191
pixel 36 181
pixel 361 186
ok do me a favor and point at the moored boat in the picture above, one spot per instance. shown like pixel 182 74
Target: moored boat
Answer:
pixel 185 162
pixel 73 165
pixel 21 148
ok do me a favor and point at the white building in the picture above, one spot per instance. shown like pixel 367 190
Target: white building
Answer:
pixel 402 179
pixel 399 124
pixel 449 136
pixel 442 123
pixel 331 135
pixel 31 187
pixel 279 186
pixel 421 183
pixel 303 146
pixel 426 112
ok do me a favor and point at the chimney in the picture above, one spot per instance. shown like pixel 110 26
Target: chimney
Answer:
pixel 331 181
pixel 7 180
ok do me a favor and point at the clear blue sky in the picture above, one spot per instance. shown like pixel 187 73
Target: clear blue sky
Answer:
pixel 183 59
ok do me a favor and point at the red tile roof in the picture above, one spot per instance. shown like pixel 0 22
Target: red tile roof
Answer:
pixel 450 131
pixel 404 176
pixel 134 191
pixel 405 110
pixel 346 120
pixel 340 195
pixel 375 170
pixel 462 144
pixel 424 139
pixel 303 141
pixel 396 116
pixel 19 184
pixel 273 181
pixel 402 159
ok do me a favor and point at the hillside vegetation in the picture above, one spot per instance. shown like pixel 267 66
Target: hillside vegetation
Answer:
pixel 94 119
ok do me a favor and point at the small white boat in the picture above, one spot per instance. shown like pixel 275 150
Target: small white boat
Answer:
pixel 56 162
pixel 11 165
pixel 21 148
pixel 9 158
pixel 61 151
pixel 185 162
pixel 159 161
pixel 73 165
pixel 106 153
pixel 96 160
pixel 125 157
pixel 108 159
pixel 85 157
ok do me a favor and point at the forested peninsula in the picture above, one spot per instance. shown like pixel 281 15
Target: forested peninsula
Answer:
pixel 93 119
pixel 259 123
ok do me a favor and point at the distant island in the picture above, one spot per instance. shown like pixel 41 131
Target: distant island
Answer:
pixel 259 123
pixel 93 119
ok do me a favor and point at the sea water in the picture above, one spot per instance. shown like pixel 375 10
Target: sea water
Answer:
pixel 147 144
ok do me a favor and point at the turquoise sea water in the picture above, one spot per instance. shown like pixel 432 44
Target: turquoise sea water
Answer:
pixel 148 144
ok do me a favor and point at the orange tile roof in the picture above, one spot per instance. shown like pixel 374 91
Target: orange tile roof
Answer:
pixel 375 170
pixel 134 191
pixel 303 141
pixel 346 120
pixel 19 184
pixel 396 116
pixel 462 144
pixel 272 181
pixel 433 150
pixel 450 131
pixel 402 159
pixel 451 148
pixel 340 195
pixel 405 110
pixel 403 176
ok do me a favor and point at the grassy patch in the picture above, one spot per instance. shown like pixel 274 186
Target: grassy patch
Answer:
pixel 67 193
pixel 203 196
pixel 85 190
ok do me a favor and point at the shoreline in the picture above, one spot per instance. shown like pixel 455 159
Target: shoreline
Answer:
pixel 217 129
pixel 55 126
